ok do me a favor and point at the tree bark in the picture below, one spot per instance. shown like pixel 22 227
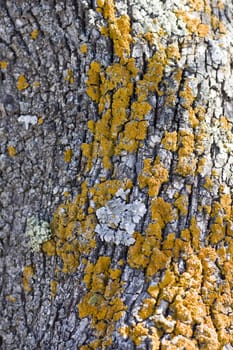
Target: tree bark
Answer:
pixel 116 222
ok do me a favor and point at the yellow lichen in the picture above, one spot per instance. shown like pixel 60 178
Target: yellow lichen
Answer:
pixel 34 34
pixel 153 76
pixel 11 151
pixel 68 155
pixel 201 165
pixel 119 32
pixel 49 248
pixel 173 52
pixel 185 235
pixel 208 183
pixel 22 83
pixel 120 129
pixel 83 48
pixel 36 84
pixel 40 120
pixel 3 64
pixel 69 76
pixel 218 25
pixel 100 3
pixel 28 273
pixel 11 298
pixel 220 4
pixel 190 21
pixel 53 288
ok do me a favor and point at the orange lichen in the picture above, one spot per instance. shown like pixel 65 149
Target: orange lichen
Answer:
pixel 203 30
pixel 187 95
pixel 104 191
pixel 188 273
pixel 118 129
pixel 153 76
pixel 136 256
pixel 221 5
pixel 146 252
pixel 195 234
pixel 153 176
pixel 182 204
pixel 169 141
pixel 133 133
pixel 102 301
pixel 138 332
pixel 93 81
pixel 11 151
pixel 173 52
pixel 22 83
pixel 118 29
pixel 149 36
pixel 162 212
pixel 68 155
pixel 187 160
pixel 73 232
pixel 119 32
pixel 158 260
pixel 218 25
pixel 28 273
pixel 190 21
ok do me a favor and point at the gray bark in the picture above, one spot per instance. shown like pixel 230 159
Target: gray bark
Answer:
pixel 33 181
